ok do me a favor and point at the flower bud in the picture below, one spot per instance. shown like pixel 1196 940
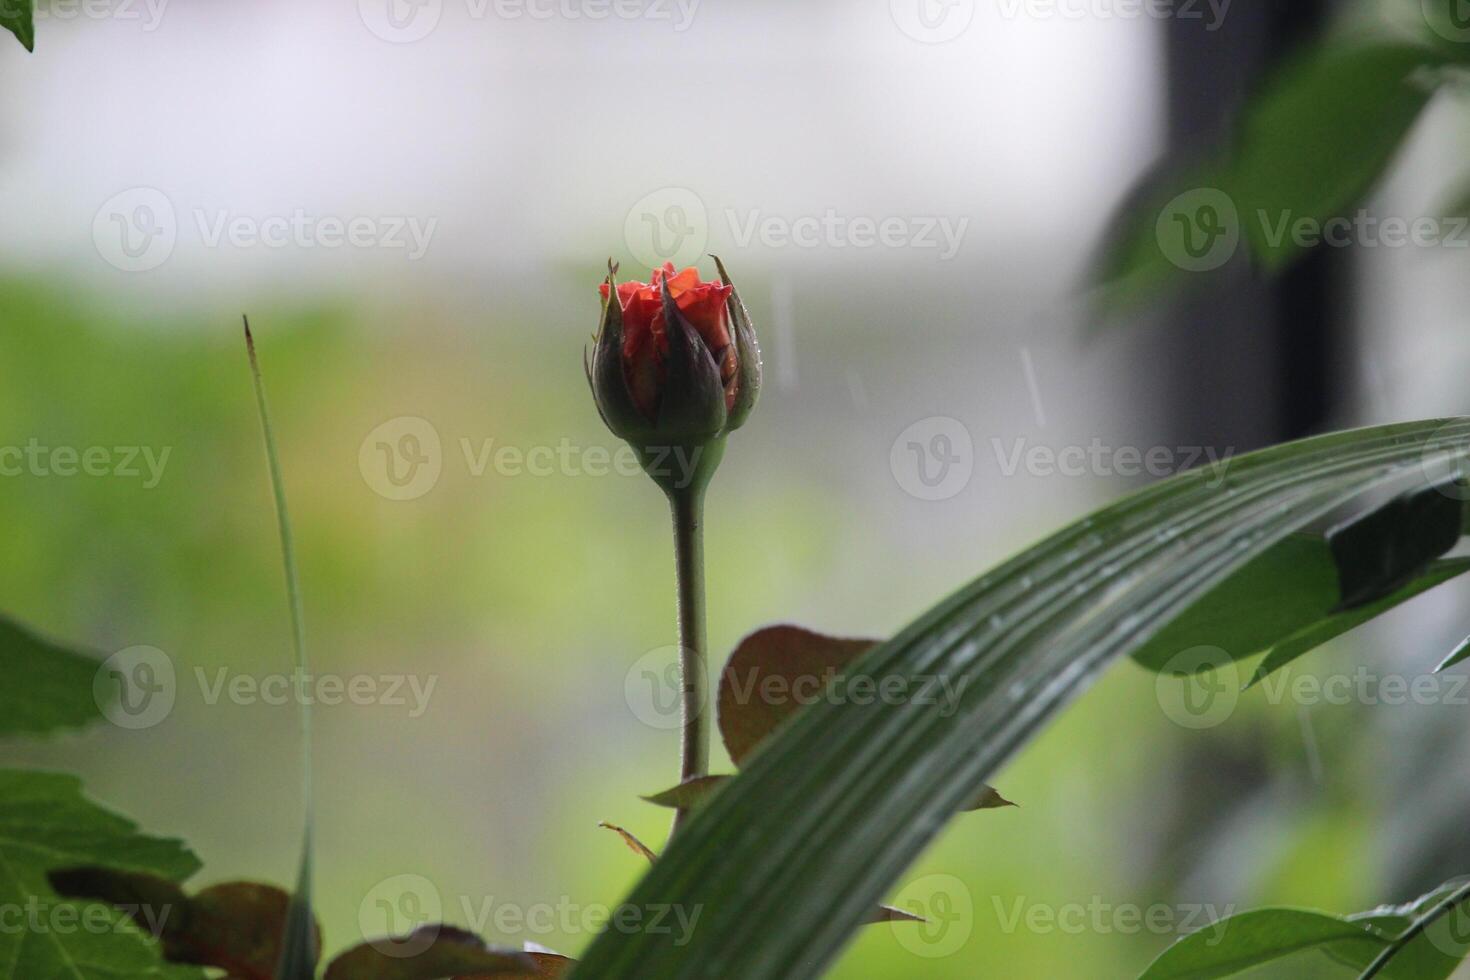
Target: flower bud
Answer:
pixel 675 367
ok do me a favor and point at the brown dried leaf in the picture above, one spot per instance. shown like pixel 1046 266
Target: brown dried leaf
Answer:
pixel 634 844
pixel 430 953
pixel 773 674
pixel 236 926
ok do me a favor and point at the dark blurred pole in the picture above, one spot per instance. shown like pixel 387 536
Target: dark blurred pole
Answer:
pixel 1246 360
pixel 1249 358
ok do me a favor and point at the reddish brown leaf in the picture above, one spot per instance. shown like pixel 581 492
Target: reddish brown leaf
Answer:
pixel 773 674
pixel 431 953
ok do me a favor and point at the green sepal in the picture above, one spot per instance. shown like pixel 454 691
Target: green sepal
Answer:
pixel 747 355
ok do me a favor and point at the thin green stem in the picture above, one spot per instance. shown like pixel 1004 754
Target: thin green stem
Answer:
pixel 687 507
pixel 298 952
pixel 1393 949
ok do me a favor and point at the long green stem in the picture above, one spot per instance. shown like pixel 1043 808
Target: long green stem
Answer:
pixel 1448 905
pixel 687 506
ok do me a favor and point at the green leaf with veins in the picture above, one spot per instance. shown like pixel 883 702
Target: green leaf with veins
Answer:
pixel 1247 940
pixel 46 823
pixel 1241 942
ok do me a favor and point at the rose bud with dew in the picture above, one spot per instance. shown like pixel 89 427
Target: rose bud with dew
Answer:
pixel 675 369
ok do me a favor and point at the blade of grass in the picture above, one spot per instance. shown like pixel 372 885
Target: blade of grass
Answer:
pixel 298 955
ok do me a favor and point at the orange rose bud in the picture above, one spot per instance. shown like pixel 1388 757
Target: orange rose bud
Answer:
pixel 675 363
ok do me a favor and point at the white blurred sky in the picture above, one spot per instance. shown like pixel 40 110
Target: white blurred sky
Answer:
pixel 528 140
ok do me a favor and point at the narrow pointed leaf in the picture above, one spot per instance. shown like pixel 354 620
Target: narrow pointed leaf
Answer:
pixel 1458 655
pixel 634 844
pixel 690 794
pixel 299 951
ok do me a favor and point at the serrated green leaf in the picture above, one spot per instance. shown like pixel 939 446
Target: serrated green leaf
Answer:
pixel 790 857
pixel 57 692
pixel 1240 942
pixel 45 824
pixel 18 17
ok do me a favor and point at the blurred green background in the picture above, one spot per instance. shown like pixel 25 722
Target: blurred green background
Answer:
pixel 533 603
